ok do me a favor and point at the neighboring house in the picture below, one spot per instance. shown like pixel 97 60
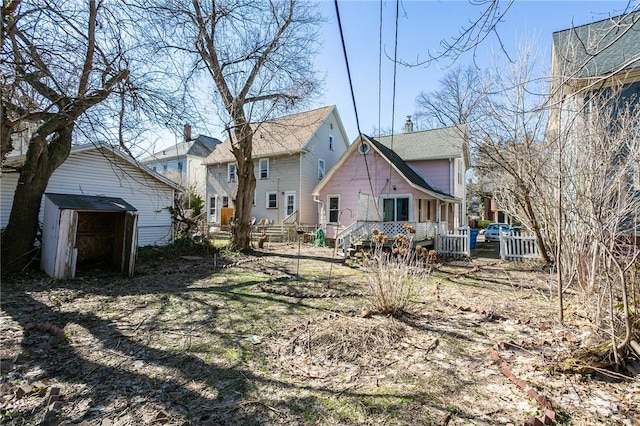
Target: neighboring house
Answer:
pixel 415 177
pixel 102 170
pixel 590 61
pixel 291 154
pixel 183 162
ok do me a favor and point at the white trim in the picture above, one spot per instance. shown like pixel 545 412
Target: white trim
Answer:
pixel 212 217
pixel 268 193
pixel 232 177
pixel 328 209
pixel 395 197
pixel 288 194
pixel 322 171
pixel 266 160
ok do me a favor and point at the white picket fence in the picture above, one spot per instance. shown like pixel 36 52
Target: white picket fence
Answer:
pixel 518 247
pixel 454 243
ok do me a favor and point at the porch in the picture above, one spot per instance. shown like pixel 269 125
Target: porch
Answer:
pixel 435 235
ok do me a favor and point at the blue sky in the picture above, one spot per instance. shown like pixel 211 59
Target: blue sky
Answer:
pixel 422 25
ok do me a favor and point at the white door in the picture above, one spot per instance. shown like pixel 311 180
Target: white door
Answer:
pixel 289 203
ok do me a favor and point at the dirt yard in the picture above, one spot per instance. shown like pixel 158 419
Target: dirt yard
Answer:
pixel 277 338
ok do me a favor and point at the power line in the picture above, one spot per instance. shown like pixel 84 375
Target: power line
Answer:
pixel 346 61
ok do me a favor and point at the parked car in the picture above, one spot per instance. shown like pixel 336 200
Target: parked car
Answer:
pixel 492 233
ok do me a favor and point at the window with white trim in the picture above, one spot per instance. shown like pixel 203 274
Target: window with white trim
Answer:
pixel 395 209
pixel 225 201
pixel 272 200
pixel 331 142
pixel 333 203
pixel 264 168
pixel 231 172
pixel 321 170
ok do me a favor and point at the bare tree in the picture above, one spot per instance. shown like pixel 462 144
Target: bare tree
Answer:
pixel 259 56
pixel 459 99
pixel 60 59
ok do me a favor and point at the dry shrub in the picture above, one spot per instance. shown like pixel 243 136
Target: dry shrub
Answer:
pixel 394 275
pixel 348 339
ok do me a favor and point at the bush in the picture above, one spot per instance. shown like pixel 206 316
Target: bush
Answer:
pixel 482 224
pixel 393 276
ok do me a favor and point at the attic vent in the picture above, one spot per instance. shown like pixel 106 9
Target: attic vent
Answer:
pixel 363 148
pixel 331 125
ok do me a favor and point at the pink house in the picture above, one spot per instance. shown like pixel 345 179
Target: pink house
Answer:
pixel 413 177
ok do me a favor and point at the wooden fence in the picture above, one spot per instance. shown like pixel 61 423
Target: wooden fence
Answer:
pixel 454 243
pixel 518 247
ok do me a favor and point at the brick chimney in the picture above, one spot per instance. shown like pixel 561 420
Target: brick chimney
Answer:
pixel 187 132
pixel 408 125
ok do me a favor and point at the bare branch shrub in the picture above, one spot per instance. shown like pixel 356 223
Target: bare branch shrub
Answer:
pixel 394 274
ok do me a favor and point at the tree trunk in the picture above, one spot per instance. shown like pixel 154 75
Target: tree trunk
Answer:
pixel 42 160
pixel 241 226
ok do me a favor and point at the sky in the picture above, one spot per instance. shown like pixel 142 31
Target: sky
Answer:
pixel 422 25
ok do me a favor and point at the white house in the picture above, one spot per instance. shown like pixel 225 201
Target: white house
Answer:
pixel 104 171
pixel 292 154
pixel 183 162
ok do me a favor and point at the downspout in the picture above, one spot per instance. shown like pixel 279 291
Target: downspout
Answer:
pixel 321 206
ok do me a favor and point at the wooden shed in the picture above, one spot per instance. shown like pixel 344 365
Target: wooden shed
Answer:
pixel 82 228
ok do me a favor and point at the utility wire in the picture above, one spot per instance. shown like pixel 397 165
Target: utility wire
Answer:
pixel 380 75
pixel 353 97
pixel 393 95
pixel 344 51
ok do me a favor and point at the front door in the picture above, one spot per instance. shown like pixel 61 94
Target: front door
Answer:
pixel 289 203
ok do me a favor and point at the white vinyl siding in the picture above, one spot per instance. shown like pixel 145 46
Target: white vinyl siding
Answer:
pixel 94 173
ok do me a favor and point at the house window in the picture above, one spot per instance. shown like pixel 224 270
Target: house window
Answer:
pixel 363 148
pixel 164 168
pixel 429 210
pixel 320 169
pixel 225 201
pixel 212 209
pixel 231 172
pixel 264 168
pixel 155 169
pixel 395 209
pixel 180 166
pixel 331 125
pixel 459 172
pixel 272 200
pixel 331 142
pixel 334 208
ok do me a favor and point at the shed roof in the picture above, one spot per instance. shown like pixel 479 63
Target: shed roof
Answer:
pixel 90 203
pixel 285 135
pixel 599 48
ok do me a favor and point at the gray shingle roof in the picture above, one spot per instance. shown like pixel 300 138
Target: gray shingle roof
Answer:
pixel 90 203
pixel 444 142
pixel 201 146
pixel 404 168
pixel 598 48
